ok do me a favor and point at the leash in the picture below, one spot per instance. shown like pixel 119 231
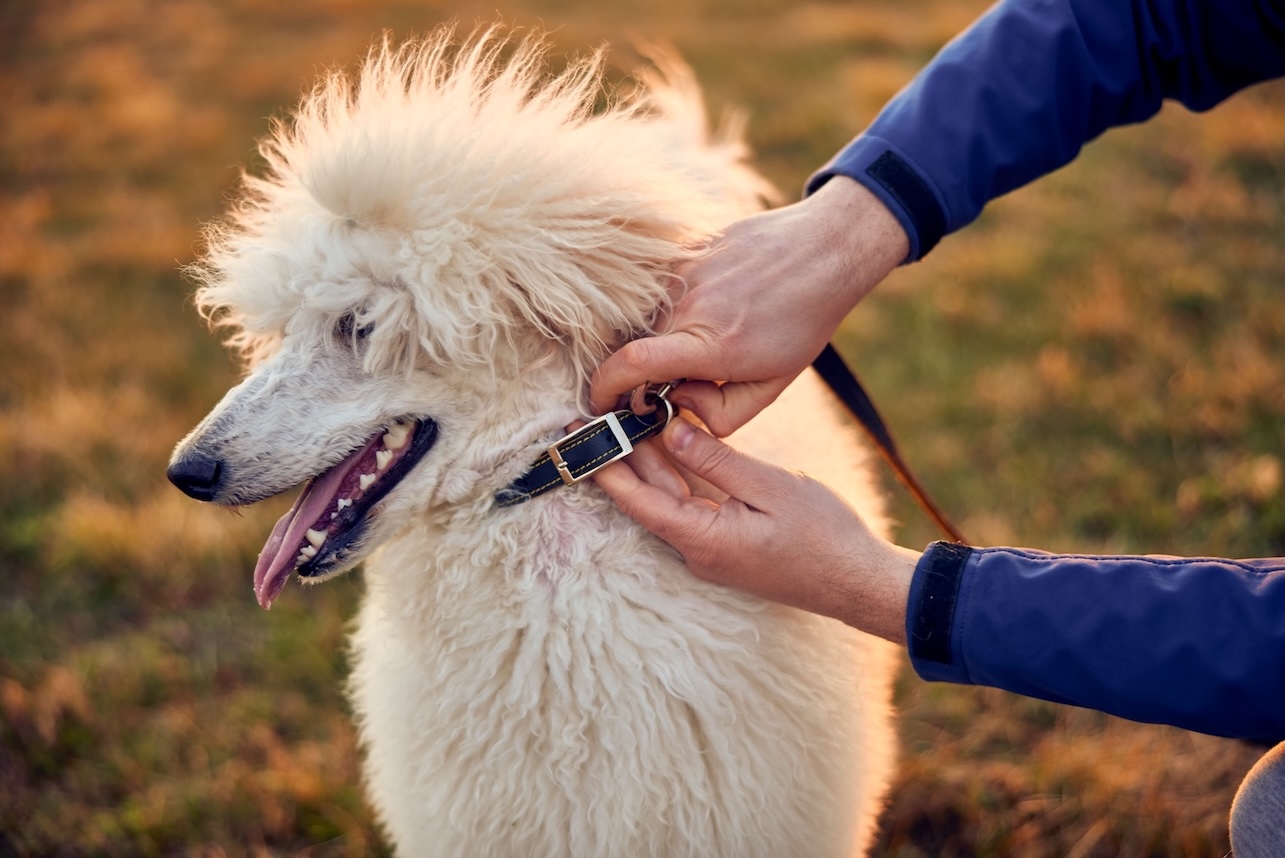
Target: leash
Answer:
pixel 612 436
pixel 840 378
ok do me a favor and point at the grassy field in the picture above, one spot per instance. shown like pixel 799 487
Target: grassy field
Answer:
pixel 1095 366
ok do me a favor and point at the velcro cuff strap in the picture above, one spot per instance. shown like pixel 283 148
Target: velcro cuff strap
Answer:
pixel 940 571
pixel 905 186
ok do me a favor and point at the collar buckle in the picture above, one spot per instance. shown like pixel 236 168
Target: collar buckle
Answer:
pixel 585 432
pixel 593 446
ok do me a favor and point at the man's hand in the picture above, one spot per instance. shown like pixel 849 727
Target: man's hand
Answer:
pixel 761 303
pixel 777 534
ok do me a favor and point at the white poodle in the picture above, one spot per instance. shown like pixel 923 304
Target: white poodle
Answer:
pixel 438 254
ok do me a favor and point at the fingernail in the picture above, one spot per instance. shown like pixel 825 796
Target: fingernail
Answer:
pixel 680 434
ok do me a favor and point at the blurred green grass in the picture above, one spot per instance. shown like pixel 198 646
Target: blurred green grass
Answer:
pixel 1096 365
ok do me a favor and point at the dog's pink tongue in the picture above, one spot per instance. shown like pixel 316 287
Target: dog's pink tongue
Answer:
pixel 277 559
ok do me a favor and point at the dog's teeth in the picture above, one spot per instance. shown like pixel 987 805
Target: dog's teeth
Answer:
pixel 315 538
pixel 307 553
pixel 395 437
pixel 366 481
pixel 343 504
pixel 382 458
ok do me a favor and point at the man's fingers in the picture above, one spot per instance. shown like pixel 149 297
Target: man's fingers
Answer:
pixel 724 408
pixel 651 465
pixel 662 358
pixel 693 524
pixel 671 517
pixel 742 477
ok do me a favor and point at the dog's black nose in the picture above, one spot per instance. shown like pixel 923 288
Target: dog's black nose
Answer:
pixel 196 475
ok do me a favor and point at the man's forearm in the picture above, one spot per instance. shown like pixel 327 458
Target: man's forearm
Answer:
pixel 1196 643
pixel 1021 91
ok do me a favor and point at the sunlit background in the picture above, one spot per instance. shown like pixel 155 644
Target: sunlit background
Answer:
pixel 1094 366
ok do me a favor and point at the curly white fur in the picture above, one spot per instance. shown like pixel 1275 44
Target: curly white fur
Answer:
pixel 458 235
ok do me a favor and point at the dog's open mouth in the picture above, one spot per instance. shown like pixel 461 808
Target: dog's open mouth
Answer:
pixel 322 528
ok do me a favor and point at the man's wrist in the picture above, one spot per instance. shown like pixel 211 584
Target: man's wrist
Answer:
pixel 893 178
pixel 865 237
pixel 877 590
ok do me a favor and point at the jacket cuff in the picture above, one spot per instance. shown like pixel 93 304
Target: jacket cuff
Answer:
pixel 899 185
pixel 936 591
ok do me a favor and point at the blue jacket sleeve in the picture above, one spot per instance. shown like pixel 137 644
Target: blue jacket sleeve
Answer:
pixel 1016 96
pixel 1196 643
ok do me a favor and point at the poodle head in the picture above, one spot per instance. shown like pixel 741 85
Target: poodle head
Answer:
pixel 439 251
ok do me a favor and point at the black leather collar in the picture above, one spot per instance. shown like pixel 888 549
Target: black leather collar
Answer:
pixel 595 445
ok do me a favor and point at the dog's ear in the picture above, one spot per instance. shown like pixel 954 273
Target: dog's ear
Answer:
pixel 612 286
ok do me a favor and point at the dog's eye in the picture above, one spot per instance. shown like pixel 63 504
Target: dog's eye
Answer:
pixel 347 330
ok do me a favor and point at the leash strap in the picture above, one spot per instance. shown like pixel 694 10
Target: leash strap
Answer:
pixel 595 445
pixel 840 378
pixel 612 436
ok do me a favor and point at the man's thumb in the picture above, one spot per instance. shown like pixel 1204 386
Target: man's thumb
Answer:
pixel 652 359
pixel 722 466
